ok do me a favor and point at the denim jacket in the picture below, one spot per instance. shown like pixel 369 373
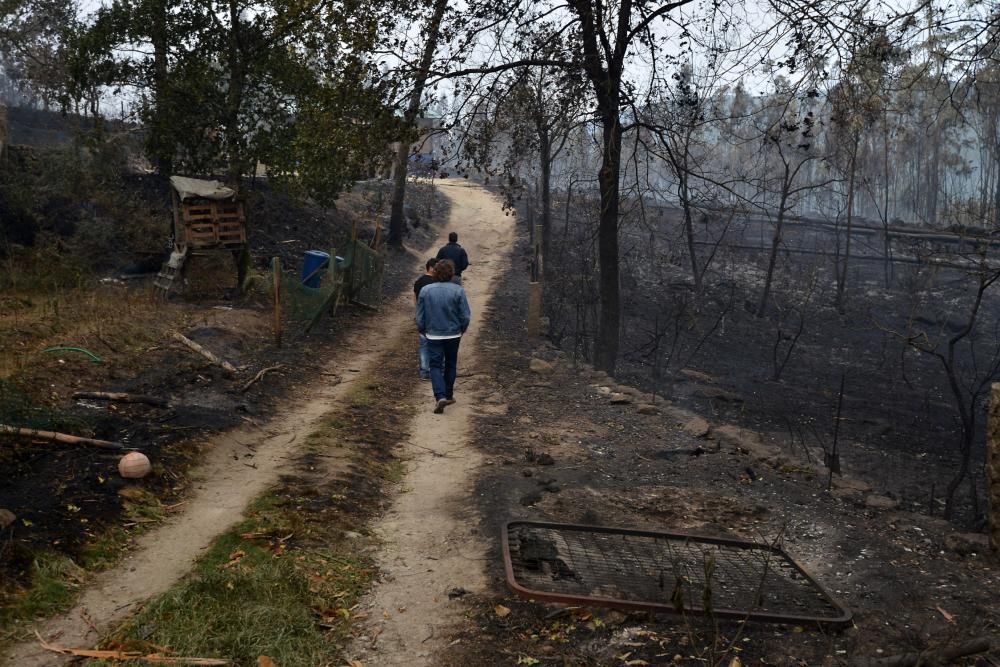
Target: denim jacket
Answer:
pixel 442 310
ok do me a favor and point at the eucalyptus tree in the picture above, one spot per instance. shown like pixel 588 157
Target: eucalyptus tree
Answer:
pixel 789 147
pixel 857 103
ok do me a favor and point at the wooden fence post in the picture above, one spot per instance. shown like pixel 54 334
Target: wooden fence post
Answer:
pixel 276 277
pixel 993 467
pixel 535 286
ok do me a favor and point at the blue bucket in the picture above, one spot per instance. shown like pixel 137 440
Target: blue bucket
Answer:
pixel 312 260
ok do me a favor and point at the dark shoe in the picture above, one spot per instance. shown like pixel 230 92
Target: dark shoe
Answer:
pixel 439 408
pixel 449 401
pixel 425 376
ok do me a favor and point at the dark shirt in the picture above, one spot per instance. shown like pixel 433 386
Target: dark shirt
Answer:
pixel 422 282
pixel 456 254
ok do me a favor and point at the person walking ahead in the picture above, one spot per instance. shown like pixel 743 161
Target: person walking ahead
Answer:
pixel 422 282
pixel 443 316
pixel 456 254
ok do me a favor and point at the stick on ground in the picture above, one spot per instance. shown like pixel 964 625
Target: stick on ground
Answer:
pixel 122 397
pixel 152 658
pixel 942 656
pixel 203 352
pixel 260 376
pixel 58 437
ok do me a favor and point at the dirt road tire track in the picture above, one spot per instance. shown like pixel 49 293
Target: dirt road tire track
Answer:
pixel 224 488
pixel 430 535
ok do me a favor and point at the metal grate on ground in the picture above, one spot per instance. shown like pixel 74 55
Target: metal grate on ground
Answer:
pixel 663 572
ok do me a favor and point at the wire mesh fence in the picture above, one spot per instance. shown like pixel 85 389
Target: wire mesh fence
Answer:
pixel 353 277
pixel 664 572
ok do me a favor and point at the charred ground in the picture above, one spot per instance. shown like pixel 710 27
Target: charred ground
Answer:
pixel 559 450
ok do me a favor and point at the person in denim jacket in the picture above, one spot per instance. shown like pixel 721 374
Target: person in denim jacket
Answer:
pixel 443 315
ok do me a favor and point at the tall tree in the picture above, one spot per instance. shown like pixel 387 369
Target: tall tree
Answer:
pixel 227 84
pixel 857 104
pixel 522 124
pixel 34 43
pixel 430 35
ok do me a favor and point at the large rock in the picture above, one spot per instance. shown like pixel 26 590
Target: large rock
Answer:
pixel 715 393
pixel 697 427
pixel 620 399
pixel 877 502
pixel 845 487
pixel 697 376
pixel 6 518
pixel 966 544
pixel 540 366
pixel 647 409
pixel 745 439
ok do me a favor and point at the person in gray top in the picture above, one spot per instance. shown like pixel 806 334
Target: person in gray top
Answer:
pixel 443 315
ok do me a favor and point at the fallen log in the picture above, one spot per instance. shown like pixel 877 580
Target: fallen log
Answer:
pixel 122 397
pixel 151 658
pixel 942 656
pixel 260 376
pixel 59 437
pixel 205 353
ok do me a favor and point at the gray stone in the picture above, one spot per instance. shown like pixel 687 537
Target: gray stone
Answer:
pixel 6 518
pixel 647 409
pixel 620 399
pixel 697 427
pixel 848 486
pixel 531 498
pixel 697 376
pixel 718 394
pixel 877 502
pixel 540 366
pixel 966 544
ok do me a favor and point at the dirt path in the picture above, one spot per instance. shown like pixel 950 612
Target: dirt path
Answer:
pixel 223 487
pixel 430 540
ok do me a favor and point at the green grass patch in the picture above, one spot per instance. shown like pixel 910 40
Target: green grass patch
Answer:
pixel 280 584
pixel 106 549
pixel 55 579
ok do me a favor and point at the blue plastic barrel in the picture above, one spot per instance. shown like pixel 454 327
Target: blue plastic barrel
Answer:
pixel 313 260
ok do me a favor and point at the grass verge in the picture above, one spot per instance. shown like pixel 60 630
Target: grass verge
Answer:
pixel 284 583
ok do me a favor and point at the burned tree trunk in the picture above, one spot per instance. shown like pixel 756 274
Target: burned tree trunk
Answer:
pixel 993 468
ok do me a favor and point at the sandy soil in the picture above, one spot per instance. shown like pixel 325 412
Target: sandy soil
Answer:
pixel 431 540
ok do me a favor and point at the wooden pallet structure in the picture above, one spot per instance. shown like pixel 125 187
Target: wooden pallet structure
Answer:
pixel 207 217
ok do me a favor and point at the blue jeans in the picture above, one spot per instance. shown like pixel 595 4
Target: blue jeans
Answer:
pixel 425 362
pixel 443 356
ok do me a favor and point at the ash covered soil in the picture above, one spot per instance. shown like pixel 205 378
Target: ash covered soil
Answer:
pixel 69 501
pixel 561 448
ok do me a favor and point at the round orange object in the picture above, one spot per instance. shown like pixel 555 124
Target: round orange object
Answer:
pixel 134 465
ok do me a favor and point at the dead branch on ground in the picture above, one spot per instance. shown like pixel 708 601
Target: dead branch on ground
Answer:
pixel 944 656
pixel 203 352
pixel 58 437
pixel 260 376
pixel 122 397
